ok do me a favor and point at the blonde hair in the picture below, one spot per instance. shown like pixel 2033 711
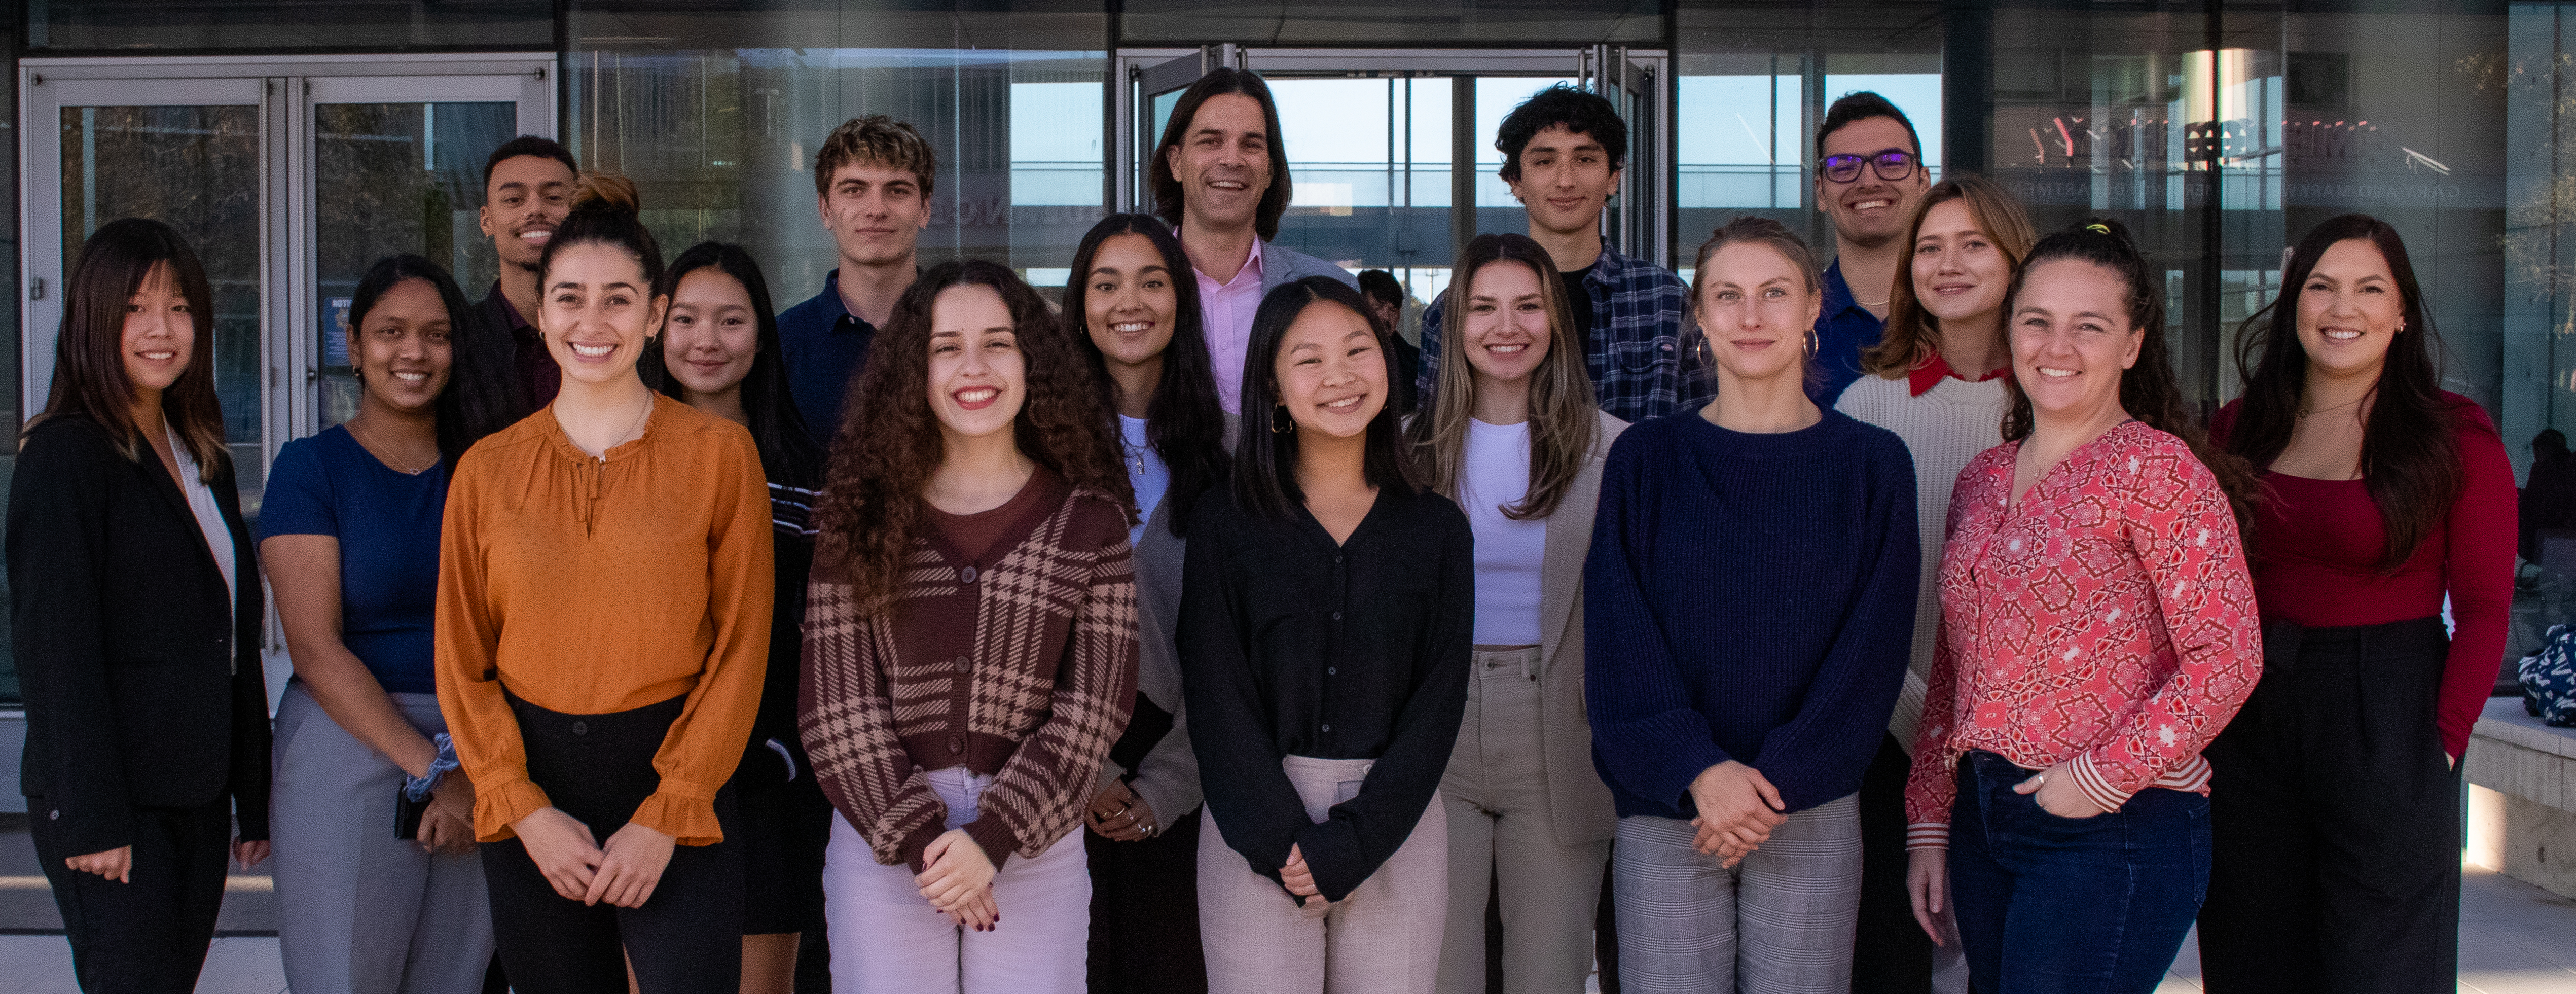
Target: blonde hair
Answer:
pixel 1561 407
pixel 1914 335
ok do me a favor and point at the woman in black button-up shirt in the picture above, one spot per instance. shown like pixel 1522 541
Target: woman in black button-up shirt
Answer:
pixel 1324 639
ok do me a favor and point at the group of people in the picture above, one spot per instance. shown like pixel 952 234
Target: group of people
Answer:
pixel 1888 626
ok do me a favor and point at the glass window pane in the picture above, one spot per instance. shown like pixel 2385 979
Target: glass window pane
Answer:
pixel 392 179
pixel 721 142
pixel 197 169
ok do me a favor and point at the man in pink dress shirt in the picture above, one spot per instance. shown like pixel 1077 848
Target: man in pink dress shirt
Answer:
pixel 1220 177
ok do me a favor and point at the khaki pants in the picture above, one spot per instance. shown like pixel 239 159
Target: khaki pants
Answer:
pixel 1500 834
pixel 1382 939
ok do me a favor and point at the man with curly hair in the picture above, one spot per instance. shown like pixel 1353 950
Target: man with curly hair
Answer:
pixel 1563 152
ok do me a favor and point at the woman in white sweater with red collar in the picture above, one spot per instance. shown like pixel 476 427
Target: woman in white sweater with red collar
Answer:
pixel 1937 380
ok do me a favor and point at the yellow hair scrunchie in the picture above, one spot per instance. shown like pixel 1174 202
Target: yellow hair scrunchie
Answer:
pixel 2098 228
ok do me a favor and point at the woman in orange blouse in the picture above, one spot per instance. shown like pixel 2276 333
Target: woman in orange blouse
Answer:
pixel 603 621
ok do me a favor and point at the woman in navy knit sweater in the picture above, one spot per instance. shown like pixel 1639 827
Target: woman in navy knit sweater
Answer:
pixel 1749 608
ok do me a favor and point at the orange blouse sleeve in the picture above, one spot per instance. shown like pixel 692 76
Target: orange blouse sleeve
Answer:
pixel 466 645
pixel 705 744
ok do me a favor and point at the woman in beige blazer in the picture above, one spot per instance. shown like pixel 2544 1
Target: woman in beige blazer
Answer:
pixel 1514 437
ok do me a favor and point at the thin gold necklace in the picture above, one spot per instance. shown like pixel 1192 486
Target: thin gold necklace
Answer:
pixel 2337 407
pixel 633 431
pixel 376 450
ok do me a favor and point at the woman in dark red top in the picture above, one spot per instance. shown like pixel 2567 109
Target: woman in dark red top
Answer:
pixel 2336 858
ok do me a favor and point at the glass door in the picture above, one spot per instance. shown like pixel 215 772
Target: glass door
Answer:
pixel 185 151
pixel 289 176
pixel 397 167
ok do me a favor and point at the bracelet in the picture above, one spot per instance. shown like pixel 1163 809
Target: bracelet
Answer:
pixel 417 789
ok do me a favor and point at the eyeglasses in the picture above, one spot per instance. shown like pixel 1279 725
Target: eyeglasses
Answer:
pixel 1890 164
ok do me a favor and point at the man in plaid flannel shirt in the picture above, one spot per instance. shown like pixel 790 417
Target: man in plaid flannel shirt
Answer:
pixel 1563 150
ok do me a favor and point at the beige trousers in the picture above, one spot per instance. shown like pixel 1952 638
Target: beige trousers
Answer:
pixel 1382 939
pixel 1500 833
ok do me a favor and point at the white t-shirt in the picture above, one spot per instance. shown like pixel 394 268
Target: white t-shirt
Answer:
pixel 1509 553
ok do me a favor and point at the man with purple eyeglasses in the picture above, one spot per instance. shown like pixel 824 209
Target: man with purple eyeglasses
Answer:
pixel 1869 177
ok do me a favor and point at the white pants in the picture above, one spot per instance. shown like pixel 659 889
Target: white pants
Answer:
pixel 1383 938
pixel 887 939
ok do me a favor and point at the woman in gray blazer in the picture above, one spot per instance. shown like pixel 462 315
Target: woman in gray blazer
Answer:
pixel 1135 307
pixel 1514 437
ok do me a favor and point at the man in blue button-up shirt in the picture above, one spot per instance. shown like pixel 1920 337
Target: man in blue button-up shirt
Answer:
pixel 872 181
pixel 1869 177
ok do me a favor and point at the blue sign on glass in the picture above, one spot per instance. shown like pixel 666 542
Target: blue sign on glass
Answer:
pixel 335 331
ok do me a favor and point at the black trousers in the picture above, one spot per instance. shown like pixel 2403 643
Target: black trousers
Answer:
pixel 1890 953
pixel 687 938
pixel 1145 912
pixel 148 935
pixel 2335 820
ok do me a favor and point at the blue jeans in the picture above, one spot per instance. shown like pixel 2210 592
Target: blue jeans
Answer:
pixel 2095 905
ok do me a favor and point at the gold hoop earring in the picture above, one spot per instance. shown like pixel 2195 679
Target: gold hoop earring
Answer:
pixel 1811 341
pixel 1280 422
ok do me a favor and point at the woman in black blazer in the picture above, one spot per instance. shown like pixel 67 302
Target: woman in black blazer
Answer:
pixel 135 606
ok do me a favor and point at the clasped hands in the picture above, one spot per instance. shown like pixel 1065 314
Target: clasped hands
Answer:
pixel 1738 808
pixel 1300 879
pixel 622 873
pixel 959 882
pixel 1119 814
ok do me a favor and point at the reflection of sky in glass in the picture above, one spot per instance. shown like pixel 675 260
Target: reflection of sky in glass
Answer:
pixel 1738 141
pixel 1055 143
pixel 1340 143
pixel 1917 94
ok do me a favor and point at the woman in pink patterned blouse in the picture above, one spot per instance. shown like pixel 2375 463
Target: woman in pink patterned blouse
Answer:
pixel 2098 628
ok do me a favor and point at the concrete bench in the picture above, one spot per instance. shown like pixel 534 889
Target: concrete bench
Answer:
pixel 2522 797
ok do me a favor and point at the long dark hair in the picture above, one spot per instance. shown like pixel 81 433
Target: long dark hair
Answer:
pixel 1265 461
pixel 1183 423
pixel 89 355
pixel 788 455
pixel 2410 461
pixel 2147 390
pixel 1913 335
pixel 889 443
pixel 395 270
pixel 1563 416
pixel 1219 82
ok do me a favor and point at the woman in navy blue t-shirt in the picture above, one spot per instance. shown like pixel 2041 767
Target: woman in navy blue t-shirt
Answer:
pixel 349 532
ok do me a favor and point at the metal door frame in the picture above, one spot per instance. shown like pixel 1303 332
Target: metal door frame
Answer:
pixel 1140 74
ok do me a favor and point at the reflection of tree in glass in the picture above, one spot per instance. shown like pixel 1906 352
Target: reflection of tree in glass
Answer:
pixel 393 178
pixel 2537 218
pixel 196 169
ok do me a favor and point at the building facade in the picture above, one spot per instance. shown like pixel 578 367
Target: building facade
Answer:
pixel 297 141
